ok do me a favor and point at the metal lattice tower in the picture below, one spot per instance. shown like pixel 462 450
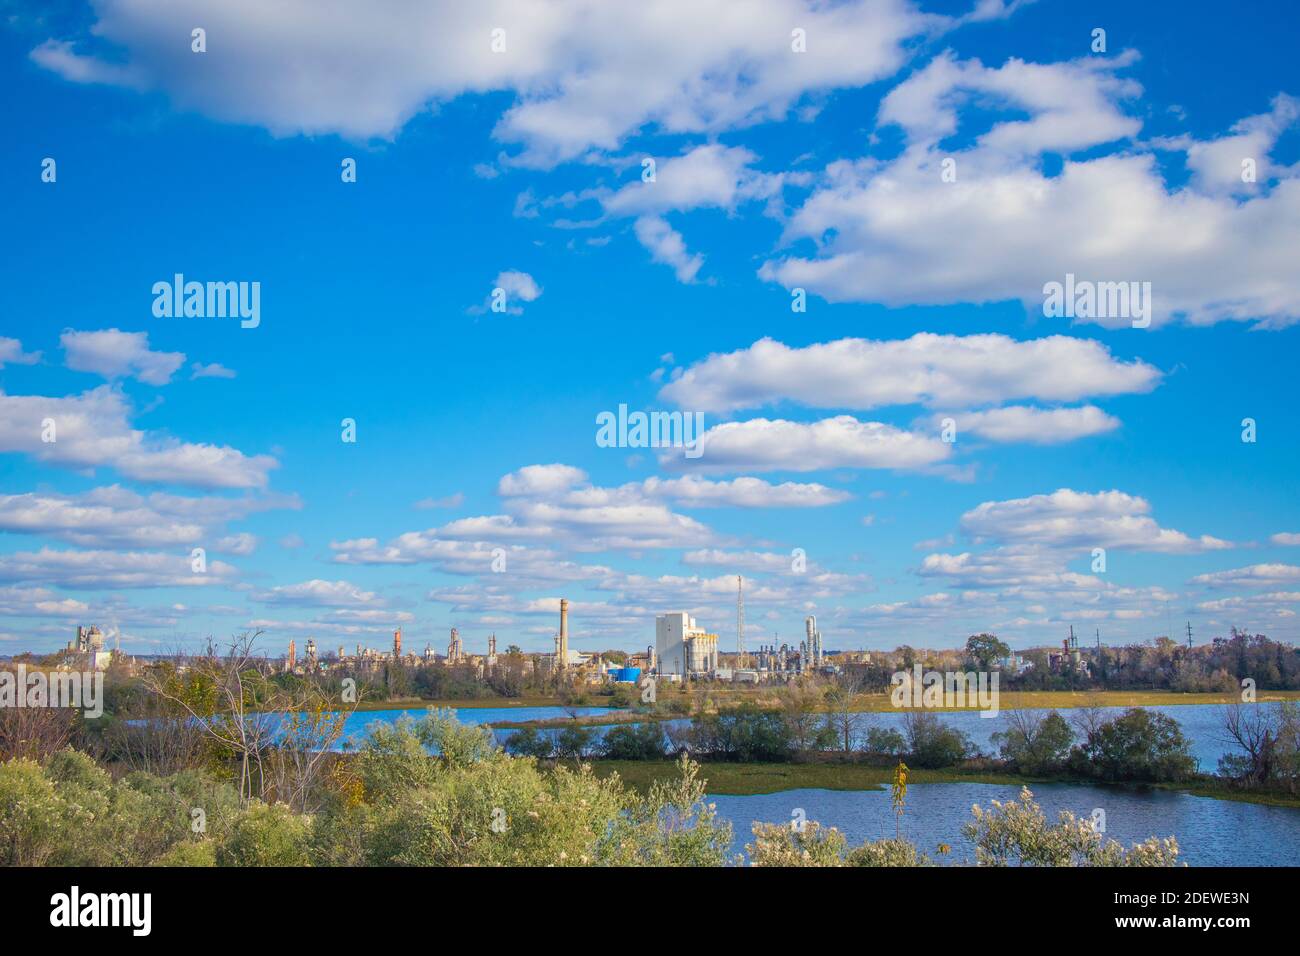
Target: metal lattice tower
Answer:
pixel 740 621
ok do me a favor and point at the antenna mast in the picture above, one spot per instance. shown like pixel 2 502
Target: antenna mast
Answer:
pixel 740 621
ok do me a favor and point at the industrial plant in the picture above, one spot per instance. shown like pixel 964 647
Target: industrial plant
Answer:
pixel 685 651
pixel 682 651
pixel 572 666
pixel 87 649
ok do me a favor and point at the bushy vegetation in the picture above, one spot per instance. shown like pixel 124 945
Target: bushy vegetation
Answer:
pixel 815 845
pixel 885 741
pixel 1011 833
pixel 530 742
pixel 1018 834
pixel 1138 745
pixel 932 743
pixel 745 734
pixel 575 741
pixel 417 793
pixel 634 742
pixel 69 812
pixel 1033 743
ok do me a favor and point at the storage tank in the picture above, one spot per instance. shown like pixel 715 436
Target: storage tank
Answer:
pixel 627 675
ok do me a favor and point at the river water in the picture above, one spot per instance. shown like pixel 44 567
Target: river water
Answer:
pixel 354 728
pixel 1200 723
pixel 1209 832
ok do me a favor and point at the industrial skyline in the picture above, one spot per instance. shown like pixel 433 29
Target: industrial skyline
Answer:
pixel 682 651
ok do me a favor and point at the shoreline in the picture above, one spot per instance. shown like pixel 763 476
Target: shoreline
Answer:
pixel 751 779
pixel 868 704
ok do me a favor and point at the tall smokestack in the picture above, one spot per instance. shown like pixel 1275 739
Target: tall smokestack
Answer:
pixel 564 633
pixel 397 644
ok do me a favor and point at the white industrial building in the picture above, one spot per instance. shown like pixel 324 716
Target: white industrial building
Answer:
pixel 681 648
pixel 89 646
pixel 811 653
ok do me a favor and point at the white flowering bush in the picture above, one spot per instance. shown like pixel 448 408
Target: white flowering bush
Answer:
pixel 1016 833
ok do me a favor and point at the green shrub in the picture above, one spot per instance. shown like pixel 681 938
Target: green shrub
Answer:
pixel 392 760
pixel 634 742
pixel 782 845
pixel 813 845
pixel 505 811
pixel 574 741
pixel 932 743
pixel 455 743
pixel 1035 746
pixel 72 769
pixel 267 834
pixel 530 742
pixel 195 853
pixel 622 695
pixel 1138 745
pixel 31 814
pixel 746 734
pixel 885 740
pixel 499 811
pixel 343 833
pixel 896 852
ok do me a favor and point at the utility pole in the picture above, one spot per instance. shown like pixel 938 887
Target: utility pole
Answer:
pixel 740 621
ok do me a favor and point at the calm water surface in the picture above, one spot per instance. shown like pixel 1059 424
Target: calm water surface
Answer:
pixel 1209 832
pixel 354 728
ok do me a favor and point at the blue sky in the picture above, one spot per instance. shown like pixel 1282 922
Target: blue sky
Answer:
pixel 775 170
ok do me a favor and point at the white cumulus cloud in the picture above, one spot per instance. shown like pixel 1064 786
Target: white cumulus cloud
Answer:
pixel 762 444
pixel 900 234
pixel 326 66
pixel 115 354
pixel 93 430
pixel 927 369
